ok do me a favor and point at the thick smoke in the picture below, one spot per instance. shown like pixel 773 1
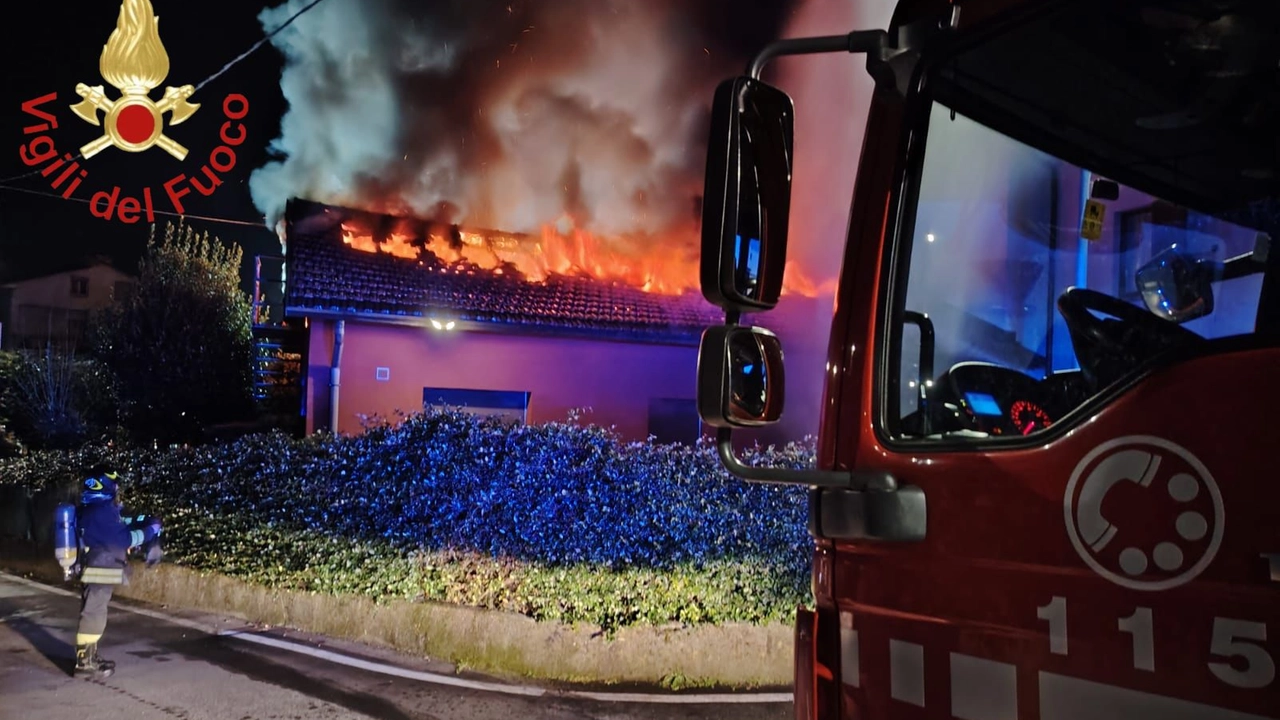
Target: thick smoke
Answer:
pixel 508 115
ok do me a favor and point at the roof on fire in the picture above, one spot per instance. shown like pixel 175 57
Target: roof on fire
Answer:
pixel 329 278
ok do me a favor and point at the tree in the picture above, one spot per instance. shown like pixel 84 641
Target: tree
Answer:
pixel 181 343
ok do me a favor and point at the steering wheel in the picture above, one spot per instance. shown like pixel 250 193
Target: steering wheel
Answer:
pixel 1106 348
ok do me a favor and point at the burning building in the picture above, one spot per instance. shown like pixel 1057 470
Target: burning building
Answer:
pixel 403 313
pixel 576 127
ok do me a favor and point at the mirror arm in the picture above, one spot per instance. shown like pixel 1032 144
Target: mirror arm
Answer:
pixel 860 41
pixel 1242 266
pixel 927 341
pixel 786 476
pixel 876 44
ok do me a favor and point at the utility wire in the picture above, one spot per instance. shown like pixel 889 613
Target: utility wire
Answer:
pixel 267 38
pixel 227 221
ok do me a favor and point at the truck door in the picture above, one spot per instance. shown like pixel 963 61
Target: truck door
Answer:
pixel 1090 423
pixel 1047 484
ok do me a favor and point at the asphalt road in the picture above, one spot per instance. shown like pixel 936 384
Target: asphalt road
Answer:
pixel 166 670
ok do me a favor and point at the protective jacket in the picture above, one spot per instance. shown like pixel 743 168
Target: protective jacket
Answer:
pixel 105 536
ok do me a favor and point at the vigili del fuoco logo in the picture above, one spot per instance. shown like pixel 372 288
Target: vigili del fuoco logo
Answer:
pixel 135 63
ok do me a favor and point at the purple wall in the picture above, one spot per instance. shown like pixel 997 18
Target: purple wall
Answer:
pixel 617 380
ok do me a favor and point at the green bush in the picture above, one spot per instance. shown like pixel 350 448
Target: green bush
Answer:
pixel 558 522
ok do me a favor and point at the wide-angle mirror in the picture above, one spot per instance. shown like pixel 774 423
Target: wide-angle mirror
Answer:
pixel 741 382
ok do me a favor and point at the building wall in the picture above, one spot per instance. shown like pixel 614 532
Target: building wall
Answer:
pixel 617 380
pixel 47 307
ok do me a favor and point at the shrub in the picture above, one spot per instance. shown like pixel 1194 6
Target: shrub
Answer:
pixel 9 363
pixel 50 399
pixel 181 342
pixel 555 521
pixel 10 443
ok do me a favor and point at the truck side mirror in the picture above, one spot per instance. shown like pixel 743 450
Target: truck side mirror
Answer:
pixel 1103 189
pixel 741 383
pixel 1176 287
pixel 747 195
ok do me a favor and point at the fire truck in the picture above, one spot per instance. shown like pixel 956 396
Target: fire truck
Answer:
pixel 1044 485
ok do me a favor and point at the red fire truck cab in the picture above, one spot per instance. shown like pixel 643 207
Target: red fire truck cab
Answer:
pixel 1045 486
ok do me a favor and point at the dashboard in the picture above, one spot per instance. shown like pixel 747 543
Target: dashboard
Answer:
pixel 991 399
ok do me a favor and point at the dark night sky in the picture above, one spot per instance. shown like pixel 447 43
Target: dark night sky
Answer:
pixel 60 48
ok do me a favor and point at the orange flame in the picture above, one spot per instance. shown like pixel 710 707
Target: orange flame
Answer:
pixel 665 265
pixel 796 281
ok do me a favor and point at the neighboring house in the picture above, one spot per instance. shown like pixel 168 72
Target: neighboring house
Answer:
pixel 55 307
pixel 392 327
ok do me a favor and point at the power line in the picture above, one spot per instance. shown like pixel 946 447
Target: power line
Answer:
pixel 206 81
pixel 227 221
pixel 258 44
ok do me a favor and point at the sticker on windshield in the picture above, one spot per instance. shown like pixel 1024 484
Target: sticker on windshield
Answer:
pixel 1144 513
pixel 1091 223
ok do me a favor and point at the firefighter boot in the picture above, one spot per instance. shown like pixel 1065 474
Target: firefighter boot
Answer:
pixel 90 664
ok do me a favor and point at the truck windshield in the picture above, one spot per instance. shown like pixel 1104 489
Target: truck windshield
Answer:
pixel 1001 232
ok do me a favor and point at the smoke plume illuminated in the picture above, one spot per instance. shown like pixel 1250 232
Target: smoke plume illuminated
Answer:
pixel 573 116
pixel 832 94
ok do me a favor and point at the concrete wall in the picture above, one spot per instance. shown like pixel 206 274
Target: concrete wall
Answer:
pixel 617 380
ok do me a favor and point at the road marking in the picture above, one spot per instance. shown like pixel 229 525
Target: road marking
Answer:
pixel 40 586
pixel 434 678
pixel 382 668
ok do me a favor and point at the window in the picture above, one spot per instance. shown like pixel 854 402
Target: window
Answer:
pixel 506 404
pixel 79 286
pixel 996 243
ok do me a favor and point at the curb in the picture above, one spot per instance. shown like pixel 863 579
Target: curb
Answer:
pixel 728 658
pixel 745 698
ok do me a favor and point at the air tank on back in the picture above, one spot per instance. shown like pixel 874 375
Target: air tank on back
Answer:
pixel 65 544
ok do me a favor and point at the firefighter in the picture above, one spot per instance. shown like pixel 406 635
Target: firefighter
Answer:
pixel 105 541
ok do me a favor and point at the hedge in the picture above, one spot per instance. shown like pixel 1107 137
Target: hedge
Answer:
pixel 556 521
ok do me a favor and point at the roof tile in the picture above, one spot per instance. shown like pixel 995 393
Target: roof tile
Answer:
pixel 326 276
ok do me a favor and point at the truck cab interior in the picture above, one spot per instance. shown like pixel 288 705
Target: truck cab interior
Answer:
pixel 1094 200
